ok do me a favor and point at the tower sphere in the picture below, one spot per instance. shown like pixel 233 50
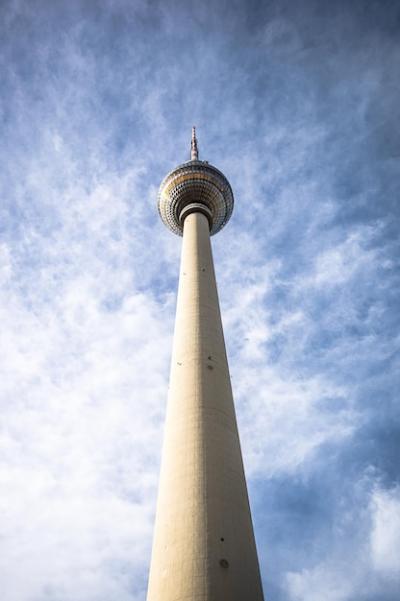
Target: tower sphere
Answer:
pixel 195 186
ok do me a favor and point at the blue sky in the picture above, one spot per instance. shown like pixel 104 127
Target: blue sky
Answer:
pixel 298 104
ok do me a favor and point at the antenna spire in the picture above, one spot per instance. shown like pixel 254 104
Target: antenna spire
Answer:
pixel 194 151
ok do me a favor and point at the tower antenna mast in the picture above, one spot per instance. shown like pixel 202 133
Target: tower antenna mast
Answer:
pixel 194 151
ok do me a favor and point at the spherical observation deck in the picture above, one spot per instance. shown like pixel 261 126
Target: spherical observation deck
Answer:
pixel 195 186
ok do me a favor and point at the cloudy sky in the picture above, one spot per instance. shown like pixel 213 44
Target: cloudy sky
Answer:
pixel 298 104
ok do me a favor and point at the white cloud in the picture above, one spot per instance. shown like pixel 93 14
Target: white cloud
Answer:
pixel 338 264
pixel 385 535
pixel 357 568
pixel 325 581
pixel 85 348
pixel 284 422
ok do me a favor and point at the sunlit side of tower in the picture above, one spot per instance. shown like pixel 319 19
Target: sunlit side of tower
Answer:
pixel 203 548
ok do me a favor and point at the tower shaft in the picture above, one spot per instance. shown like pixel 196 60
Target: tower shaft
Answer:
pixel 204 548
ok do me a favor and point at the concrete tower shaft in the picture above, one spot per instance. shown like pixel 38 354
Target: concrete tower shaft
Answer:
pixel 203 548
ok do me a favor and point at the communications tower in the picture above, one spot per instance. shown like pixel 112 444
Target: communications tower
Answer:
pixel 203 547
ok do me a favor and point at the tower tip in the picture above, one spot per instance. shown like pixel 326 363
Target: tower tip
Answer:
pixel 194 151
